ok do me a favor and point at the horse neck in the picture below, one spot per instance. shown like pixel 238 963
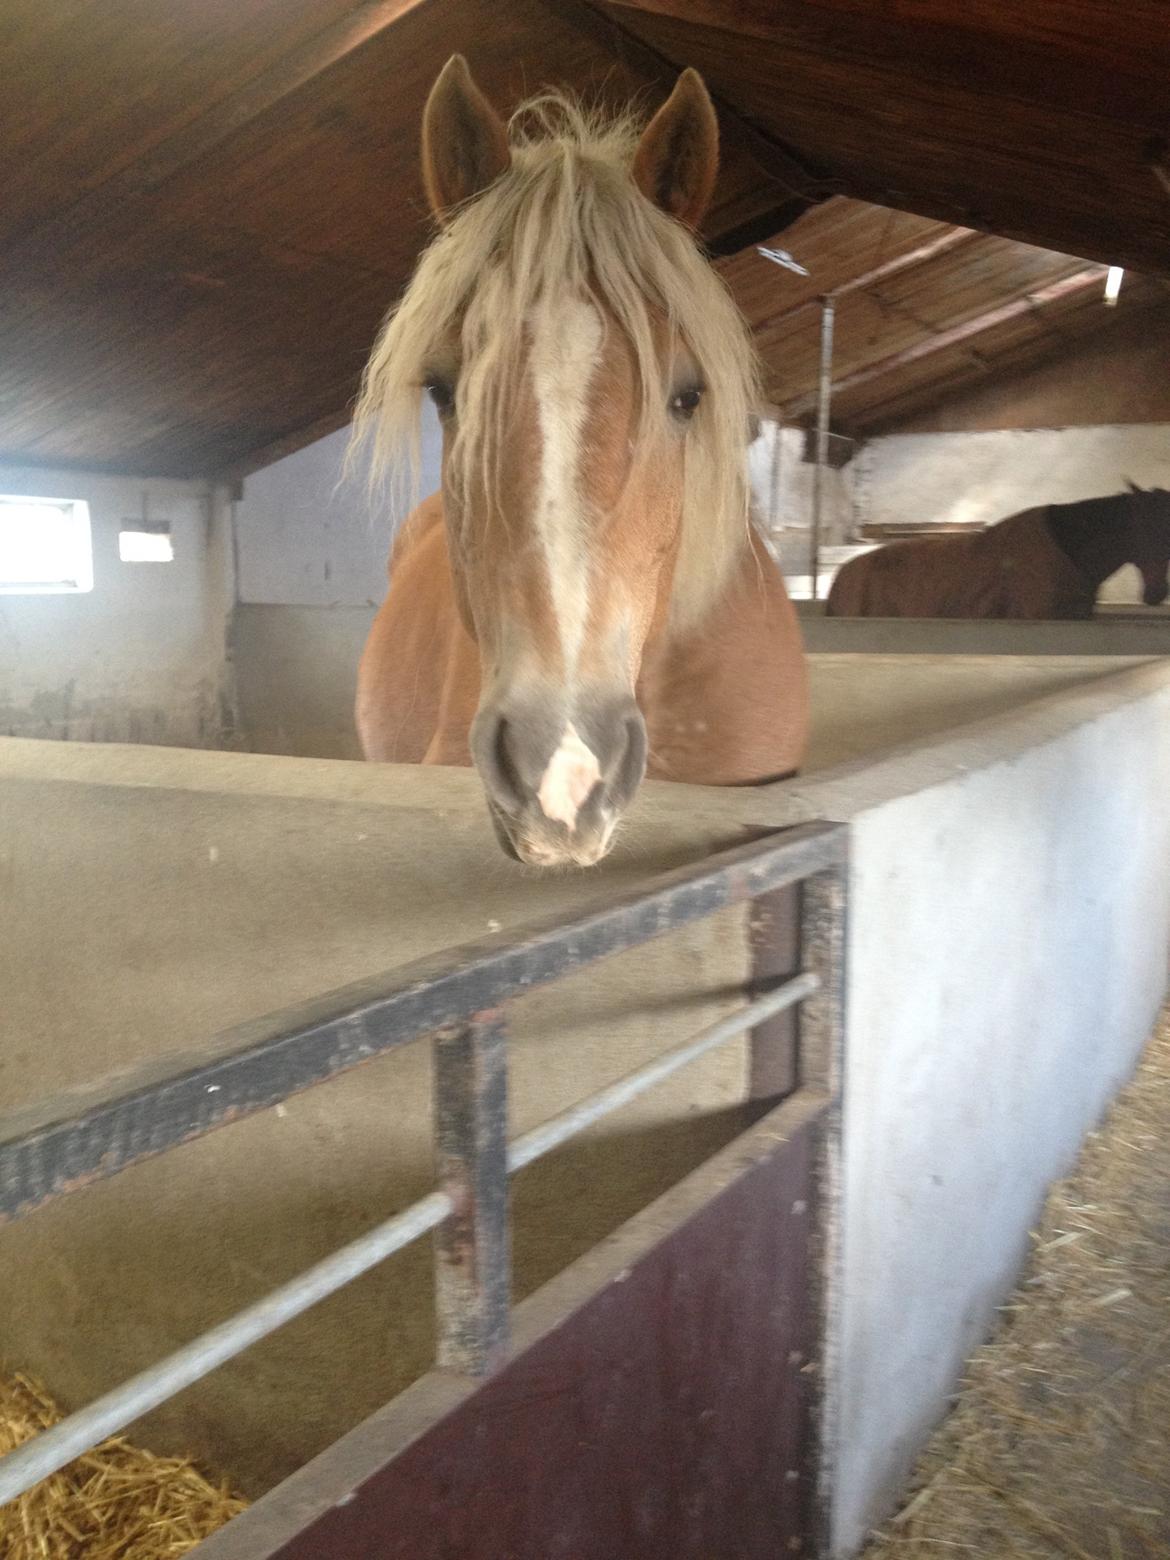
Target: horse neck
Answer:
pixel 1092 534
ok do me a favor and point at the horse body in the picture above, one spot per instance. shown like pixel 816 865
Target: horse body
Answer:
pixel 1011 570
pixel 584 599
pixel 1042 563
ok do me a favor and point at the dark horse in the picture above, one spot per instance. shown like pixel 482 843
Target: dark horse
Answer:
pixel 1043 563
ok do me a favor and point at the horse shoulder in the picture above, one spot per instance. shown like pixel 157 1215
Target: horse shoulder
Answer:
pixel 1033 574
pixel 414 650
pixel 727 702
pixel 846 593
pixel 419 527
pixel 857 585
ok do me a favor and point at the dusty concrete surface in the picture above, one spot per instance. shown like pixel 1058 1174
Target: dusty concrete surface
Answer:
pixel 1114 631
pixel 137 919
pixel 865 705
pixel 1059 1445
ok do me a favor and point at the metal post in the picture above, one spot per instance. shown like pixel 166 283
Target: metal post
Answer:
pixel 774 941
pixel 822 1046
pixel 473 1277
pixel 822 952
pixel 774 484
pixel 824 390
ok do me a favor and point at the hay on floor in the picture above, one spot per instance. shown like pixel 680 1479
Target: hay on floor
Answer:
pixel 1059 1445
pixel 117 1502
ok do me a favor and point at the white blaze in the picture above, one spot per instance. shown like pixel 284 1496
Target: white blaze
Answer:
pixel 566 349
pixel 572 773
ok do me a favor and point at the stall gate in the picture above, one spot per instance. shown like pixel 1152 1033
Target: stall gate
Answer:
pixel 664 1398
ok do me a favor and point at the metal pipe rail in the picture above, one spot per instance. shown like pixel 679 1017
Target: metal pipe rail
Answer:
pixel 82 1431
pixel 47 1152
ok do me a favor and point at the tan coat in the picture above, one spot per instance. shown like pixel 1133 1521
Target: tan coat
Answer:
pixel 727 706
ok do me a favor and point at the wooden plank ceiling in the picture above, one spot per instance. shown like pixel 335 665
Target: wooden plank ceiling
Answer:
pixel 923 309
pixel 207 208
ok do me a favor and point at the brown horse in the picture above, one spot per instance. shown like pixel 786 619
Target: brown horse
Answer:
pixel 1043 563
pixel 584 600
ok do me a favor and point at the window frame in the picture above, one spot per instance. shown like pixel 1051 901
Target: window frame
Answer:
pixel 80 516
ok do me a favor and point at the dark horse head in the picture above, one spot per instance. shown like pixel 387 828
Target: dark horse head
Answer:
pixel 1147 531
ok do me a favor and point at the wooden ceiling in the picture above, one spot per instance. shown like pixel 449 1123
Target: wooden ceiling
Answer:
pixel 208 207
pixel 1040 120
pixel 922 310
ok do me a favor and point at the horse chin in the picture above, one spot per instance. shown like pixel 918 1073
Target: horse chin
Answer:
pixel 538 842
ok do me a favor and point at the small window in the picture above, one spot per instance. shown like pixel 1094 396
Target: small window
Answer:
pixel 45 546
pixel 146 541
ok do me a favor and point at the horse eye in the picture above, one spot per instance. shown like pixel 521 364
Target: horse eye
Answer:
pixel 686 403
pixel 442 393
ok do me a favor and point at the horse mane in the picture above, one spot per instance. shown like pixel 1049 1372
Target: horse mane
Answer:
pixel 568 216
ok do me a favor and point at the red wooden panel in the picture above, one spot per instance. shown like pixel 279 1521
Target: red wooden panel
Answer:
pixel 659 1403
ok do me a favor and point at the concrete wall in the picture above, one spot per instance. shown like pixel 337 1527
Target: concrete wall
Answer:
pixel 308 534
pixel 296 677
pixel 1114 631
pixel 143 656
pixel 782 489
pixel 1009 928
pixel 312 550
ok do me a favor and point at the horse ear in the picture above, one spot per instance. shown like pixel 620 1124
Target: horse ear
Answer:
pixel 1132 486
pixel 678 156
pixel 464 142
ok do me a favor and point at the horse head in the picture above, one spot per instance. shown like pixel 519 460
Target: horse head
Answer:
pixel 594 382
pixel 1148 523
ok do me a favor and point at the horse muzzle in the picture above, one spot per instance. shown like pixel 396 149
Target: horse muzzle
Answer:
pixel 558 780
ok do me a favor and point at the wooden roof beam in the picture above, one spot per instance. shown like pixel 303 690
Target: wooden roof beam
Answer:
pixel 880 273
pixel 958 335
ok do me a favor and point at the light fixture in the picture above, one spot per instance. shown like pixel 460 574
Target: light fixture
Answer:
pixel 1113 284
pixel 782 257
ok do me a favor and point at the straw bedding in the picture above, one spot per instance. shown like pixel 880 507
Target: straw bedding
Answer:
pixel 1060 1441
pixel 116 1503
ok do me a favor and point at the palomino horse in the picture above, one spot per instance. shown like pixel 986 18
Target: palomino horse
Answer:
pixel 584 600
pixel 1043 563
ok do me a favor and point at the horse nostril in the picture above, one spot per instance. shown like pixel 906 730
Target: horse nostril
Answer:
pixel 631 766
pixel 505 765
pixel 496 763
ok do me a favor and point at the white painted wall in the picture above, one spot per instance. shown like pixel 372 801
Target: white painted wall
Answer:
pixel 312 549
pixel 1009 928
pixel 782 491
pixel 308 535
pixel 143 656
pixel 984 477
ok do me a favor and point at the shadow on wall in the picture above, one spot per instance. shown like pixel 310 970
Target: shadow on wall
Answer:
pixel 296 677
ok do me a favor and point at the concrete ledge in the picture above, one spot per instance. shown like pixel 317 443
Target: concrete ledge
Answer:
pixel 1127 631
